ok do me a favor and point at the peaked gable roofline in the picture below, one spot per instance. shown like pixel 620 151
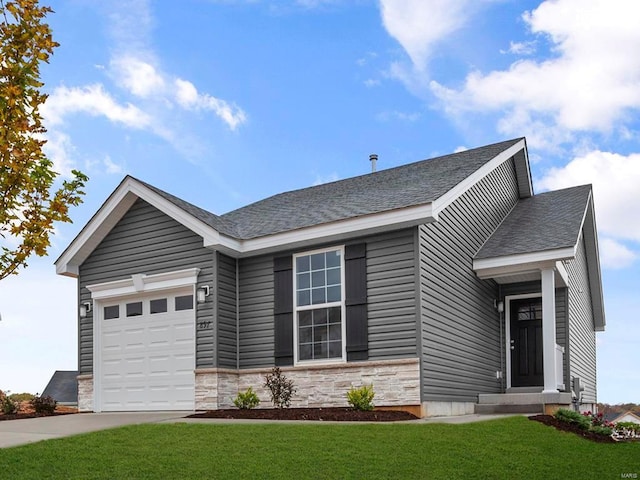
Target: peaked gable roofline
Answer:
pixel 501 257
pixel 225 233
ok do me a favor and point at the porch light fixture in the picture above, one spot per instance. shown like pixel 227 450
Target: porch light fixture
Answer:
pixel 84 309
pixel 500 307
pixel 202 293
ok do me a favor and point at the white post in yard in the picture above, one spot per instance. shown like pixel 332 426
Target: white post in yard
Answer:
pixel 549 330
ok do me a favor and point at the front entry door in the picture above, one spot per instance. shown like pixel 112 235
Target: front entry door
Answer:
pixel 526 343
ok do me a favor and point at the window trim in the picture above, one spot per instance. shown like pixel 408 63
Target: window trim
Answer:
pixel 341 304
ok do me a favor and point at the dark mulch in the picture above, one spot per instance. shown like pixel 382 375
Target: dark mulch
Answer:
pixel 20 416
pixel 322 414
pixel 570 427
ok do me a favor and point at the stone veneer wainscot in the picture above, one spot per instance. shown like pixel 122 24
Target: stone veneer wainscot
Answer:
pixel 395 382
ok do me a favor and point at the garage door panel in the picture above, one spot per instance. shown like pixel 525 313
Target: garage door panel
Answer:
pixel 148 360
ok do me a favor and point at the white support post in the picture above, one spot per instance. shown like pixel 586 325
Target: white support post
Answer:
pixel 549 330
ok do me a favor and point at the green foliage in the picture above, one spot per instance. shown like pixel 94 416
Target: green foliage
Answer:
pixel 22 397
pixel 7 405
pixel 247 400
pixel 602 430
pixel 571 416
pixel 634 427
pixel 281 388
pixel 361 398
pixel 30 203
pixel 44 404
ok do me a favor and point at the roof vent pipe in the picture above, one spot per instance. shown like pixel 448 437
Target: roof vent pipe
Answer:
pixel 373 158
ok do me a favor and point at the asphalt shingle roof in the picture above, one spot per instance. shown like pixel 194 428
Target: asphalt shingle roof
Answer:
pixel 63 386
pixel 547 221
pixel 405 186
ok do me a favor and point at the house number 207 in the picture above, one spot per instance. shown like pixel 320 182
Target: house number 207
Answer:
pixel 203 325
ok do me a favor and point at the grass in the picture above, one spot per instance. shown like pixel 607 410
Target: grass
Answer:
pixel 508 448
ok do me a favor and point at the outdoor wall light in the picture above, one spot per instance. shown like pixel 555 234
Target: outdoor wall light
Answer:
pixel 84 309
pixel 202 293
pixel 500 307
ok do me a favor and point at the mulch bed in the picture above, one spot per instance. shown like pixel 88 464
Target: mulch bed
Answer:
pixel 20 416
pixel 570 427
pixel 336 414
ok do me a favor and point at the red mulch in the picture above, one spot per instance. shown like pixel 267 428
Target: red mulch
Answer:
pixel 570 427
pixel 336 414
pixel 25 410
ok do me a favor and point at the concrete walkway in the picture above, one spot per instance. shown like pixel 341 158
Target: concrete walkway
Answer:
pixel 19 432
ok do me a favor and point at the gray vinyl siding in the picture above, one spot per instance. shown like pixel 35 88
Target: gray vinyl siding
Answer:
pixel 391 301
pixel 146 241
pixel 460 326
pixel 391 295
pixel 226 312
pixel 256 312
pixel 582 335
pixel 561 315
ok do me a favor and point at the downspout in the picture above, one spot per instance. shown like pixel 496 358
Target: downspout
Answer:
pixel 237 316
pixel 503 352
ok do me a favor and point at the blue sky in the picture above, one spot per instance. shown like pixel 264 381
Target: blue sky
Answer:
pixel 225 102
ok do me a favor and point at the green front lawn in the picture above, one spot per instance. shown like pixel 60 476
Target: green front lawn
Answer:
pixel 509 448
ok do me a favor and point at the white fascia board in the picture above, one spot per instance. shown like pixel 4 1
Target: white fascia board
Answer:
pixel 112 211
pixel 329 232
pixel 445 200
pixel 500 266
pixel 144 283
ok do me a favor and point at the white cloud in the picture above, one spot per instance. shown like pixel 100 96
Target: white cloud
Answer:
pixel 615 179
pixel 418 25
pixel 521 48
pixel 59 150
pixel 111 167
pixel 589 85
pixel 93 100
pixel 140 78
pixel 188 97
pixel 371 82
pixel 615 255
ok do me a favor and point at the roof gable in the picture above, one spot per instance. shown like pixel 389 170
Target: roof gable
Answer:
pixel 545 222
pixel 388 199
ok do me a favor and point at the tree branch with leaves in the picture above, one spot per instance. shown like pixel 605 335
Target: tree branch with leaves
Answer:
pixel 31 197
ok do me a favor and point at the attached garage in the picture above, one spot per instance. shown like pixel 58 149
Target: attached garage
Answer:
pixel 144 344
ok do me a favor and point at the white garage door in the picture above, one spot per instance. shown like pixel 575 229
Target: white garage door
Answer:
pixel 147 346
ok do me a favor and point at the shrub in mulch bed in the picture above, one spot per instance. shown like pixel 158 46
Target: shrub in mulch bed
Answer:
pixel 573 428
pixel 336 414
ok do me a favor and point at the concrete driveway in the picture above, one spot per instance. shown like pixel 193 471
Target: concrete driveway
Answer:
pixel 19 432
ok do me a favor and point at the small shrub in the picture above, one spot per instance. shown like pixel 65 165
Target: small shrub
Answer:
pixel 247 400
pixel 602 430
pixel 569 416
pixel 7 405
pixel 44 404
pixel 281 388
pixel 634 427
pixel 361 398
pixel 21 397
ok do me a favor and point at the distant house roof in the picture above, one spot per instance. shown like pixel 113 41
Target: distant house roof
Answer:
pixel 63 387
pixel 624 417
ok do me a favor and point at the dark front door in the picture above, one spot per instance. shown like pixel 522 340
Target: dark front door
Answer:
pixel 526 343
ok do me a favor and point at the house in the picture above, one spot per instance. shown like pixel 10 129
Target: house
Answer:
pixel 445 283
pixel 615 417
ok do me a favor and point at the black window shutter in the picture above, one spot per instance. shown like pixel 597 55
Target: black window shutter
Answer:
pixel 283 310
pixel 355 265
